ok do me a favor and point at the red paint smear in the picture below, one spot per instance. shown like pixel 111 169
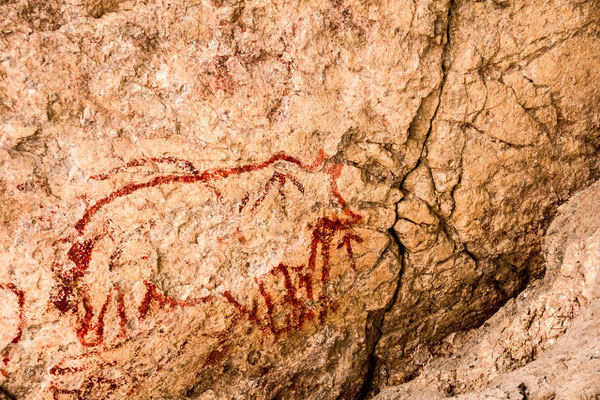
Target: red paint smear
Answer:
pixel 83 392
pixel 85 389
pixel 244 202
pixel 64 298
pixel 21 303
pixel 217 355
pixel 6 352
pixel 153 293
pixel 121 312
pixel 59 370
pixel 183 164
pixel 240 237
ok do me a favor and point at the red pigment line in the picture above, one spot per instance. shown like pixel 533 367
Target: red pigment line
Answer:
pixel 204 177
pixel 216 191
pixel 301 312
pixel 121 312
pixel 86 325
pixel 21 315
pixel 298 185
pixel 334 173
pixel 252 314
pixel 183 164
pixel 305 279
pixel 269 303
pixel 92 381
pixel 152 293
pixel 58 370
pixel 322 156
pixel 322 236
pixel 244 202
pixel 56 392
pixel 265 192
pixel 347 241
pixel 281 178
pixel 131 188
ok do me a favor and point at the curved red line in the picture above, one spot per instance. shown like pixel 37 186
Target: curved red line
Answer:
pixel 138 162
pixel 208 176
pixel 20 327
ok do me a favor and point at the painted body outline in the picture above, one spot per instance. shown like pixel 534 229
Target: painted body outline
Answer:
pixel 69 295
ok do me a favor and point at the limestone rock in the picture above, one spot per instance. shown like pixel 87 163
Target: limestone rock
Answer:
pixel 515 134
pixel 543 344
pixel 246 199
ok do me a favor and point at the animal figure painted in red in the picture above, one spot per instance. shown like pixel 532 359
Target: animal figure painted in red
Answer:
pixel 302 298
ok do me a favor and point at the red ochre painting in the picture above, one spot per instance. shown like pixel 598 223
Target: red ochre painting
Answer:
pixel 117 283
pixel 18 299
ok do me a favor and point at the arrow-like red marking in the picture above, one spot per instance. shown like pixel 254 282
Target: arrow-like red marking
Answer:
pixel 281 179
pixel 347 241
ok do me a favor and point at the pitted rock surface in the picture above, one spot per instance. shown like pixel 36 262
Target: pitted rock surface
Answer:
pixel 246 199
pixel 544 343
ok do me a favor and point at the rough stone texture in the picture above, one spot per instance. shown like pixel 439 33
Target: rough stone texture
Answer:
pixel 545 344
pixel 161 160
pixel 515 133
pixel 246 199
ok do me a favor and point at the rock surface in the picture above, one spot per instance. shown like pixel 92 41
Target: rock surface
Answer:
pixel 515 133
pixel 545 344
pixel 242 199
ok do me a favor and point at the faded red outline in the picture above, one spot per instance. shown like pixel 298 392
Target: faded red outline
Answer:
pixel 80 252
pixel 6 351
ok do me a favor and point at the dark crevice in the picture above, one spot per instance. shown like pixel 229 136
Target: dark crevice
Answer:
pixel 5 394
pixel 374 324
pixel 375 320
pixel 523 391
pixel 440 89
